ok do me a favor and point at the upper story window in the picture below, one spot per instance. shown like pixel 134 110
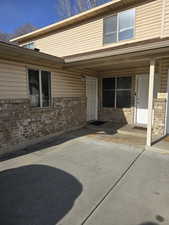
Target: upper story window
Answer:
pixel 119 27
pixel 29 45
pixel 39 87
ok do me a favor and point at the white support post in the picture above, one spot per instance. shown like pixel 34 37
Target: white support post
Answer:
pixel 150 102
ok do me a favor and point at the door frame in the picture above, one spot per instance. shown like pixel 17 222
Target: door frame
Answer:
pixel 135 101
pixel 96 109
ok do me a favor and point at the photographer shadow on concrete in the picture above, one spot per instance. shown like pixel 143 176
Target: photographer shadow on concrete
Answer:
pixel 36 194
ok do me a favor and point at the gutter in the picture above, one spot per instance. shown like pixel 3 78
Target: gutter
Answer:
pixel 115 52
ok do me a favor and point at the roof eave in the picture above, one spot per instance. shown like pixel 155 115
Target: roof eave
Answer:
pixel 152 49
pixel 20 54
pixel 74 19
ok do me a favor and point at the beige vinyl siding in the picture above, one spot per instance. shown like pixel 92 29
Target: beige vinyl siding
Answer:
pixel 88 35
pixel 81 38
pixel 165 29
pixel 13 81
pixel 67 84
pixel 14 84
pixel 148 20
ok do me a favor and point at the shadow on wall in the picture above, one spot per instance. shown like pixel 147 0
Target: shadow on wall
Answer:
pixel 36 194
pixel 50 142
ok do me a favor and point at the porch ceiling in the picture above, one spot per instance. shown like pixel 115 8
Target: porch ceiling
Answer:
pixel 125 56
pixel 110 64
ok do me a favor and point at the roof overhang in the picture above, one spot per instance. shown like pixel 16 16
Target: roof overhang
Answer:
pixel 19 54
pixel 105 8
pixel 142 51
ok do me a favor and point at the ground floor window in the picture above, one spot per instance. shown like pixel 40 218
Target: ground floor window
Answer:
pixel 117 92
pixel 39 87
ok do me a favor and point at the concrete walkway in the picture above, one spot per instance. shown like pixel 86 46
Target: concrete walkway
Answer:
pixel 88 181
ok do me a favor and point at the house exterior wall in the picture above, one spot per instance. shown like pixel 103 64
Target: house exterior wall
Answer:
pixel 21 124
pixel 123 115
pixel 126 115
pixel 159 122
pixel 160 103
pixel 88 36
pixel 163 70
pixel 13 80
pixel 165 18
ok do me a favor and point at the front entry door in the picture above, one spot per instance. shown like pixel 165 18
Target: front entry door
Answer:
pixel 91 93
pixel 142 100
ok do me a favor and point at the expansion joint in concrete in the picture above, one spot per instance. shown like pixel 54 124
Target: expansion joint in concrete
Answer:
pixel 110 190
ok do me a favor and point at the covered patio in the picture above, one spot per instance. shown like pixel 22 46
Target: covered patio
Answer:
pixel 129 85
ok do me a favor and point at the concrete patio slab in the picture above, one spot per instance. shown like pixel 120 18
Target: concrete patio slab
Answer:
pixel 141 197
pixel 91 164
pixel 84 180
pixel 161 145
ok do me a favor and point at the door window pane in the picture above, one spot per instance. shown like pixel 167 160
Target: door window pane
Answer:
pixel 46 88
pixel 33 77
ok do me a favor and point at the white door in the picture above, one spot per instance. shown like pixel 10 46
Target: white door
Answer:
pixel 92 96
pixel 142 100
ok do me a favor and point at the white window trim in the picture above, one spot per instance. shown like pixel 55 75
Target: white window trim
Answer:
pixel 40 86
pixel 118 28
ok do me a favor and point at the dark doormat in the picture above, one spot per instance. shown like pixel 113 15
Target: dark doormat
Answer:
pixel 97 123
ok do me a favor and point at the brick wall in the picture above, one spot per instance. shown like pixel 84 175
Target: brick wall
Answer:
pixel 20 123
pixel 122 116
pixel 159 117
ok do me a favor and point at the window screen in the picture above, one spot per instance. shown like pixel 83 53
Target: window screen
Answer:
pixel 110 29
pixel 33 77
pixel 46 88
